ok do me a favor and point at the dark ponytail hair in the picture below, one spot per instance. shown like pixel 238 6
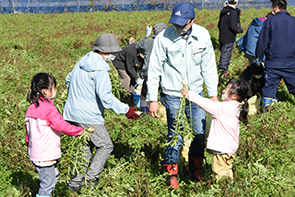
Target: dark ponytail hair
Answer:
pixel 40 81
pixel 282 4
pixel 242 89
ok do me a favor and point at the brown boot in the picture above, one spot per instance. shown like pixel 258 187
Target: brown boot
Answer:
pixel 172 179
pixel 195 166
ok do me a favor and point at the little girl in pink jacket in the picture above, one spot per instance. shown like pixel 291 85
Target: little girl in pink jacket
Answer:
pixel 44 124
pixel 223 139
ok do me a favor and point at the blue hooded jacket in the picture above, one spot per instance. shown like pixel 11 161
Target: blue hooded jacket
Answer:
pixel 90 91
pixel 248 42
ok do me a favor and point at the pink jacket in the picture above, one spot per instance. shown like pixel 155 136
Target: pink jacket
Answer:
pixel 43 124
pixel 225 126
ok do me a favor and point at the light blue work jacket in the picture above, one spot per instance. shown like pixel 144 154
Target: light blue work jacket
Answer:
pixel 90 91
pixel 175 57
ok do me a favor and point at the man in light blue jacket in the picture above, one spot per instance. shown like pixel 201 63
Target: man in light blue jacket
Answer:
pixel 90 93
pixel 183 51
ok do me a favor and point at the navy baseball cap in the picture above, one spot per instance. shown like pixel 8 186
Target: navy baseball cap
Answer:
pixel 181 13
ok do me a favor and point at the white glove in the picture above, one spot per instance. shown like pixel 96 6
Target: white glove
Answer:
pixel 139 81
pixel 148 30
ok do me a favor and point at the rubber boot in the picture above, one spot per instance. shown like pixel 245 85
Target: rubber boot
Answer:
pixel 195 166
pixel 267 102
pixel 172 179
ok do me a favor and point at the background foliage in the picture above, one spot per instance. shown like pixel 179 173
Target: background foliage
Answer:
pixel 32 43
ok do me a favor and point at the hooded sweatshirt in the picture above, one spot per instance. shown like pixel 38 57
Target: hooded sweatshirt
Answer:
pixel 90 91
pixel 44 125
pixel 229 24
pixel 248 42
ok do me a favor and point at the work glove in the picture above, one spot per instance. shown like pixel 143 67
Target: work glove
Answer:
pixel 260 63
pixel 132 113
pixel 148 30
pixel 139 81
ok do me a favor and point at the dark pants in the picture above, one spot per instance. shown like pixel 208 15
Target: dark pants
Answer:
pixel 143 101
pixel 225 56
pixel 273 77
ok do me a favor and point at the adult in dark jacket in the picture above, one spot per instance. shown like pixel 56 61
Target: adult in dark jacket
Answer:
pixel 229 26
pixel 248 42
pixel 127 63
pixel 276 41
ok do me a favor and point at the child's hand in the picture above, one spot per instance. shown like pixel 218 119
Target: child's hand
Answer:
pixel 184 91
pixel 90 129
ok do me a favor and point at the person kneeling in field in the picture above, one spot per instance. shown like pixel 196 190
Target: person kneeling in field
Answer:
pixel 90 93
pixel 223 139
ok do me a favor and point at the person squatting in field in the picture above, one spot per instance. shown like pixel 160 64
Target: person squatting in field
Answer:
pixel 144 46
pixel 44 125
pixel 183 51
pixel 127 62
pixel 276 41
pixel 89 94
pixel 223 139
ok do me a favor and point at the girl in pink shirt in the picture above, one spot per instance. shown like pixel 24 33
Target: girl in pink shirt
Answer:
pixel 44 125
pixel 223 139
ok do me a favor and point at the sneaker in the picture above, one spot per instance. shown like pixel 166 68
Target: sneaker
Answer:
pixel 75 186
pixel 93 182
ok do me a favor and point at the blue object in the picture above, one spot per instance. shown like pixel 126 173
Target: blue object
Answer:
pixel 136 100
pixel 267 101
pixel 181 13
pixel 139 81
pixel 248 42
pixel 145 111
pixel 148 30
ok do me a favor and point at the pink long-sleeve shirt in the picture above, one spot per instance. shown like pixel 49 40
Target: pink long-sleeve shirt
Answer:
pixel 44 125
pixel 225 126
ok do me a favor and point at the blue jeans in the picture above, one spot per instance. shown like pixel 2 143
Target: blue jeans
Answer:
pixel 197 117
pixel 47 176
pixel 225 56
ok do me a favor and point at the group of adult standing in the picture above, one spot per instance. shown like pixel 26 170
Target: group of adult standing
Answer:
pixel 181 52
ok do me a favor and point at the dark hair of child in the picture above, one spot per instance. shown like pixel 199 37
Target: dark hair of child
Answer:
pixel 242 89
pixel 40 81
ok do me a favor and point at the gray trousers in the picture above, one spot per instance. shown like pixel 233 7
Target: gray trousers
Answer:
pixel 48 176
pixel 100 139
pixel 125 80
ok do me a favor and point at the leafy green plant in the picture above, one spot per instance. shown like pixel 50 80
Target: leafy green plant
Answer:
pixel 32 43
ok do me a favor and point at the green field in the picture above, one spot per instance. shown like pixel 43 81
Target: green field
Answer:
pixel 53 43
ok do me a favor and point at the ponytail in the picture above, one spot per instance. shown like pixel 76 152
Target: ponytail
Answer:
pixel 40 81
pixel 244 112
pixel 242 89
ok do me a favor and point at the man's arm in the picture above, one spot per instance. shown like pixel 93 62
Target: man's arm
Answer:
pixel 208 68
pixel 157 58
pixel 131 61
pixel 263 41
pixel 235 24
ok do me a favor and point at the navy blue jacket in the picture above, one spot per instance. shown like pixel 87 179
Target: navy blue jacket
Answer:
pixel 277 41
pixel 229 25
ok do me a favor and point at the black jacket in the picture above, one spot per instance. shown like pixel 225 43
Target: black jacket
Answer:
pixel 229 25
pixel 256 84
pixel 128 59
